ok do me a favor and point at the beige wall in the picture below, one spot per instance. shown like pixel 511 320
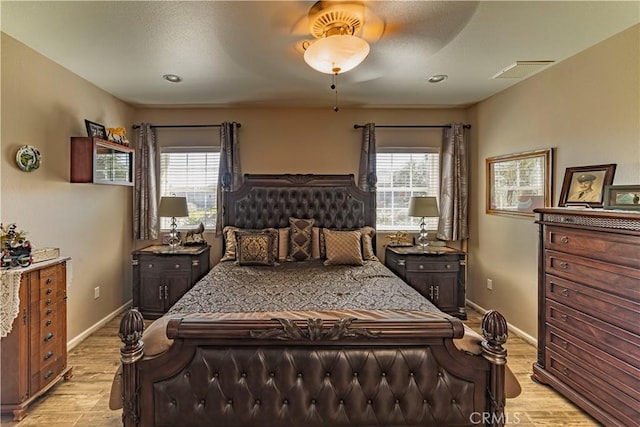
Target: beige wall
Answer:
pixel 43 105
pixel 587 107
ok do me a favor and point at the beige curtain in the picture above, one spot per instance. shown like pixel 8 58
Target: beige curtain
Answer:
pixel 367 175
pixel 230 174
pixel 145 194
pixel 454 185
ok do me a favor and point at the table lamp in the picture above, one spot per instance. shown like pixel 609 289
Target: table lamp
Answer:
pixel 423 207
pixel 172 207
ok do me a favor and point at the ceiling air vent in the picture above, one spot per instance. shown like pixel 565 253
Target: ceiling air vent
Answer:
pixel 520 69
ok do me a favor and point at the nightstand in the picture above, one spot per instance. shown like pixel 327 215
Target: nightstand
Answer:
pixel 438 273
pixel 161 276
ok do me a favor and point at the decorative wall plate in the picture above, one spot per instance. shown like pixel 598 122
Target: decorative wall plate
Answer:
pixel 28 158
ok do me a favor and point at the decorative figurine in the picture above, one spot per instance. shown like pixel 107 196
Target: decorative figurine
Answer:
pixel 16 250
pixel 195 236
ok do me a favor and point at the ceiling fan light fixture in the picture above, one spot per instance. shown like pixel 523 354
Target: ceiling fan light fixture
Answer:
pixel 173 78
pixel 437 78
pixel 343 52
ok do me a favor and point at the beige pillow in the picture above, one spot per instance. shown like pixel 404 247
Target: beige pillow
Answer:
pixel 257 247
pixel 315 242
pixel 283 243
pixel 343 247
pixel 300 239
pixel 229 234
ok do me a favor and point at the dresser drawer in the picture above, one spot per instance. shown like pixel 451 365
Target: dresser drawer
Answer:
pixel 614 248
pixel 593 388
pixel 619 343
pixel 619 280
pixel 621 375
pixel 603 305
pixel 417 265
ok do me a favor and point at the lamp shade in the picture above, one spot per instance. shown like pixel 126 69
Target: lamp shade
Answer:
pixel 423 207
pixel 336 54
pixel 173 207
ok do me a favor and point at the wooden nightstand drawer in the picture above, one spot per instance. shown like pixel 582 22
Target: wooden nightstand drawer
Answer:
pixel 428 265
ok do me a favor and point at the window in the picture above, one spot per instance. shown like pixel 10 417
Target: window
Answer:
pixel 192 173
pixel 402 174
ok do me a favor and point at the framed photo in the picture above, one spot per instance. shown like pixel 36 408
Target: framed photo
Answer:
pixel 584 185
pixel 95 130
pixel 518 183
pixel 622 197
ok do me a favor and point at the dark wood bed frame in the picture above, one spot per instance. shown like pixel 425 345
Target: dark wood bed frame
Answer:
pixel 282 372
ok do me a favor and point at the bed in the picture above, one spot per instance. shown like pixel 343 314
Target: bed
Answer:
pixel 293 335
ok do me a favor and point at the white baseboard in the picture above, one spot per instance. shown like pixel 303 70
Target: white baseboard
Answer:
pixel 79 338
pixel 519 332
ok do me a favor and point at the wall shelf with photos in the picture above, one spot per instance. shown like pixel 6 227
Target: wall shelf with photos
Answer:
pixel 98 161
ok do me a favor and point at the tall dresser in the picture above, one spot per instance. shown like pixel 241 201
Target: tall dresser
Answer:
pixel 589 310
pixel 34 352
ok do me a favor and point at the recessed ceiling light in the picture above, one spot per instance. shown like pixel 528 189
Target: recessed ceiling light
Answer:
pixel 438 78
pixel 172 78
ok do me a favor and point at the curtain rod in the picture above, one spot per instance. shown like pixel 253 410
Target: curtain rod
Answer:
pixel 410 126
pixel 183 126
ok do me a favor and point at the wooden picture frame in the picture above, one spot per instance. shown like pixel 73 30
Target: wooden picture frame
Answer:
pixel 516 184
pixel 95 130
pixel 624 197
pixel 584 185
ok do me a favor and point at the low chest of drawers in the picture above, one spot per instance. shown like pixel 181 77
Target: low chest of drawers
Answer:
pixel 589 311
pixel 438 273
pixel 161 276
pixel 34 352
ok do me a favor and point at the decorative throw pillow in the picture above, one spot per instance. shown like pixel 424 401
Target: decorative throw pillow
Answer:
pixel 283 244
pixel 315 242
pixel 343 247
pixel 300 238
pixel 368 253
pixel 229 235
pixel 256 247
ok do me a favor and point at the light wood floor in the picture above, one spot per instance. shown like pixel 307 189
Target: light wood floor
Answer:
pixel 83 400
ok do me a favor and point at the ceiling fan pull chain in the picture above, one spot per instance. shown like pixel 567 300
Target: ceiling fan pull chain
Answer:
pixel 334 87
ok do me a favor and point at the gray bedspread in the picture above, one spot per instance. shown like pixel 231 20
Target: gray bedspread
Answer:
pixel 307 285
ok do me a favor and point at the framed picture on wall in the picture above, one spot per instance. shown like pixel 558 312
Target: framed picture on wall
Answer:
pixel 518 183
pixel 584 185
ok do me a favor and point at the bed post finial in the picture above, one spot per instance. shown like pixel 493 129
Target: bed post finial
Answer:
pixel 131 329
pixel 495 333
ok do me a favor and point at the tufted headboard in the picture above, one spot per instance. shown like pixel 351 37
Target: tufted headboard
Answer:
pixel 333 201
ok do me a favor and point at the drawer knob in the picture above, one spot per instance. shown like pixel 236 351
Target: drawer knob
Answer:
pixel 49 336
pixel 421 267
pixel 565 345
pixel 448 266
pixel 401 262
pixel 150 266
pixel 565 371
pixel 564 317
pixel 565 292
pixel 49 311
pixel 48 322
pixel 48 375
pixel 177 265
pixel 49 291
pixel 564 265
pixel 564 240
pixel 49 280
pixel 48 301
pixel 48 355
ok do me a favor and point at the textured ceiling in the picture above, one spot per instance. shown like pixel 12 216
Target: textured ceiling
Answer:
pixel 248 53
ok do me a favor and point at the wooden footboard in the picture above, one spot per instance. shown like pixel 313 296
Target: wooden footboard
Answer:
pixel 294 373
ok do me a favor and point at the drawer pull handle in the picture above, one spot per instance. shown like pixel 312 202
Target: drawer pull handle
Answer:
pixel 49 336
pixel 564 240
pixel 49 311
pixel 564 265
pixel 48 322
pixel 177 265
pixel 421 267
pixel 565 345
pixel 565 292
pixel 437 295
pixel 48 355
pixel 448 266
pixel 150 266
pixel 401 262
pixel 49 291
pixel 166 292
pixel 48 301
pixel 49 280
pixel 564 317
pixel 161 296
pixel 565 371
pixel 48 375
pixel 431 293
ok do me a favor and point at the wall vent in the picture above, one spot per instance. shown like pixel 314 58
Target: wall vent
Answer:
pixel 520 69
